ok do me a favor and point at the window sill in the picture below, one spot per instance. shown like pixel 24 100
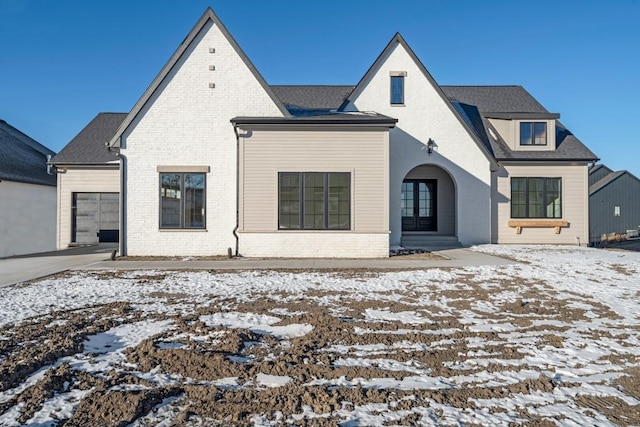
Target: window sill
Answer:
pixel 398 105
pixel 183 230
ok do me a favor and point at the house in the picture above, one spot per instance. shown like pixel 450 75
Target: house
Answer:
pixel 89 185
pixel 28 194
pixel 213 159
pixel 614 203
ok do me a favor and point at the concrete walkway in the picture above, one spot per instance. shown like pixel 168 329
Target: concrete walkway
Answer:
pixel 30 267
pixel 448 258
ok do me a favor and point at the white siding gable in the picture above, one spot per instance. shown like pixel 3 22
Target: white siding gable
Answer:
pixel 426 115
pixel 186 121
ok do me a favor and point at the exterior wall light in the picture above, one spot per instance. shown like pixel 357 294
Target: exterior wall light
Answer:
pixel 430 145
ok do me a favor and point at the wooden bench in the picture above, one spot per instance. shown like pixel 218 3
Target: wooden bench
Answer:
pixel 555 224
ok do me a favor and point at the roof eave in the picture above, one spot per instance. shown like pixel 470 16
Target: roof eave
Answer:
pixel 521 116
pixel 541 159
pixel 387 122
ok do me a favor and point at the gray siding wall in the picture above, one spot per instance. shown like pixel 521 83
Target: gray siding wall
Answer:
pixel 623 192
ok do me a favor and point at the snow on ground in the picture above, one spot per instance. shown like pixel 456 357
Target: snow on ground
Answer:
pixel 554 338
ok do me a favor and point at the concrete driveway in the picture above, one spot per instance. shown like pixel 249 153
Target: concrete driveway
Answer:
pixel 29 267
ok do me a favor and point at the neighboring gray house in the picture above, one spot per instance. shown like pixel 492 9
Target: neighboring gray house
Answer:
pixel 614 202
pixel 89 185
pixel 28 194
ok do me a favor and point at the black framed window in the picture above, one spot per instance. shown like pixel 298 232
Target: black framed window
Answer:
pixel 397 89
pixel 314 201
pixel 533 133
pixel 182 200
pixel 536 197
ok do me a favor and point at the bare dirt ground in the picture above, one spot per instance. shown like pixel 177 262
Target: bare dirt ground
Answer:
pixel 378 358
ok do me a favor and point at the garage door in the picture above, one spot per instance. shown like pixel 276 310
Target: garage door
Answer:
pixel 95 217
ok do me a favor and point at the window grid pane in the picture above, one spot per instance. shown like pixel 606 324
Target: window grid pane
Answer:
pixel 314 200
pixel 425 195
pixel 338 203
pixel 170 200
pixel 540 134
pixel 397 89
pixel 289 207
pixel 518 197
pixel 525 134
pixel 536 198
pixel 182 200
pixel 407 199
pixel 194 200
pixel 533 133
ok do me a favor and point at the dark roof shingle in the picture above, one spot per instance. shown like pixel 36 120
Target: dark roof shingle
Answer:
pixel 22 159
pixel 495 99
pixel 315 97
pixel 88 147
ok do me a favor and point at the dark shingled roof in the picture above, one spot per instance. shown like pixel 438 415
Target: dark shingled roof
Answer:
pixel 88 147
pixel 495 99
pixel 568 148
pixel 315 97
pixel 22 159
pixel 606 181
pixel 597 172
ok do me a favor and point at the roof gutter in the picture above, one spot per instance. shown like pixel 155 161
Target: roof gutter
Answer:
pixel 122 246
pixel 344 121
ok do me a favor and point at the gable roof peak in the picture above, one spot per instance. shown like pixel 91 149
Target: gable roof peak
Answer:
pixel 208 15
pixel 377 64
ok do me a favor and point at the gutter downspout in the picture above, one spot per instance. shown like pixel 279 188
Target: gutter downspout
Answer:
pixel 235 229
pixel 122 247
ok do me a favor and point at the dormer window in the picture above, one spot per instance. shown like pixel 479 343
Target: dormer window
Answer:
pixel 533 133
pixel 397 87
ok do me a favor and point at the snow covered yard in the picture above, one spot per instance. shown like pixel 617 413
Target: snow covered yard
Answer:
pixel 551 341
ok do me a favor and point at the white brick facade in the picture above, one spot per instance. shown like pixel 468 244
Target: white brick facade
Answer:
pixel 319 244
pixel 426 115
pixel 187 122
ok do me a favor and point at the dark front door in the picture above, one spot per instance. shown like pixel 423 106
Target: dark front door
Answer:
pixel 419 205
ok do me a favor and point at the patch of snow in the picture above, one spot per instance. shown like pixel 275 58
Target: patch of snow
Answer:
pixel 407 317
pixel 60 406
pixel 257 323
pixel 273 381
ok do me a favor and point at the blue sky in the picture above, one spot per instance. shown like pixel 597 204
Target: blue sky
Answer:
pixel 65 61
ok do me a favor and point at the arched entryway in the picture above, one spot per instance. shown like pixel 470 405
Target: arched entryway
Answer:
pixel 428 207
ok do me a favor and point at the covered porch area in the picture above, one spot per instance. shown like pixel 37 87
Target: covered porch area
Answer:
pixel 428 209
